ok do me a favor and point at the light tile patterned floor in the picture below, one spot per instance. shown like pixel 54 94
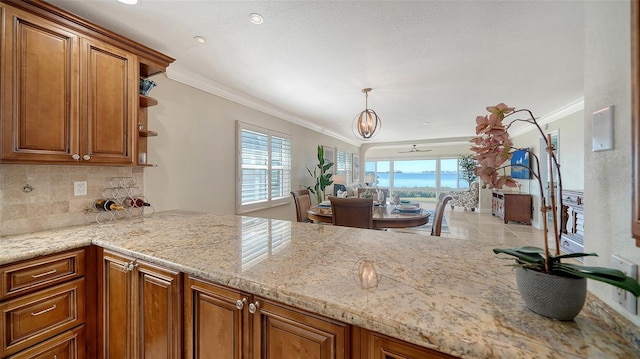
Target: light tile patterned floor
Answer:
pixel 485 227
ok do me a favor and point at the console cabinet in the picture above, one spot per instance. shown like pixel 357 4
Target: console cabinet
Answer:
pixel 141 309
pixel 69 89
pixel 42 304
pixel 511 207
pixel 572 229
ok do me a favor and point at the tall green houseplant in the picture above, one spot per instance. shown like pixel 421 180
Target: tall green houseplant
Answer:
pixel 468 166
pixel 321 175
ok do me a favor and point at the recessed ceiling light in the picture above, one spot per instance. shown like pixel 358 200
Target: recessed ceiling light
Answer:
pixel 256 18
pixel 200 39
pixel 426 123
pixel 129 2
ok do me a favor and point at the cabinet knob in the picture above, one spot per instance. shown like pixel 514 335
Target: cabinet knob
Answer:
pixel 240 303
pixel 253 307
pixel 75 156
pixel 86 157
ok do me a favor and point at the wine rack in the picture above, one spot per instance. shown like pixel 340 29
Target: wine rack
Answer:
pixel 120 190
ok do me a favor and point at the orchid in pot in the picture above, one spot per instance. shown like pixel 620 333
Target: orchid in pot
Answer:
pixel 493 150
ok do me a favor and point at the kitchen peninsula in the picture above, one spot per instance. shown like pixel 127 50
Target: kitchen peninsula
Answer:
pixel 452 296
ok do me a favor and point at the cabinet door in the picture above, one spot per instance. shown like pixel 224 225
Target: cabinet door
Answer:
pixel 284 332
pixel 39 77
pixel 159 324
pixel 116 329
pixel 109 103
pixel 216 321
pixel 142 306
pixel 378 346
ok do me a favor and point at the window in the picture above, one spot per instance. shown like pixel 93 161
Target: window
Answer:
pixel 416 178
pixel 264 168
pixel 343 165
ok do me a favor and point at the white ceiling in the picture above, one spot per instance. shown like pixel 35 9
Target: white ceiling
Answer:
pixel 433 65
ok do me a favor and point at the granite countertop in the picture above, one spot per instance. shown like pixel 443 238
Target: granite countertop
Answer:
pixel 451 295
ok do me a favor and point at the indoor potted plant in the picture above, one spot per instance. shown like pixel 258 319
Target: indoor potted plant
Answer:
pixel 548 286
pixel 468 166
pixel 321 175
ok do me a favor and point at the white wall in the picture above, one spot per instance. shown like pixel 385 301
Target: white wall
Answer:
pixel 607 174
pixel 195 150
pixel 570 131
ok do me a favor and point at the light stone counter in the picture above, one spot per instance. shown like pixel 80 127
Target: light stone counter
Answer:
pixel 454 296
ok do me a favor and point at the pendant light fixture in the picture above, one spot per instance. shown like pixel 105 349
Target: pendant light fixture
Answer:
pixel 367 123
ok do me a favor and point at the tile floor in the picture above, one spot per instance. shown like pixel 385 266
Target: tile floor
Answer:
pixel 483 226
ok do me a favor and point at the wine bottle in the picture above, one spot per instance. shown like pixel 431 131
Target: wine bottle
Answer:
pixel 107 205
pixel 137 202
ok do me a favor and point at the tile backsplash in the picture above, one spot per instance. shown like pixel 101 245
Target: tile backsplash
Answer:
pixel 50 202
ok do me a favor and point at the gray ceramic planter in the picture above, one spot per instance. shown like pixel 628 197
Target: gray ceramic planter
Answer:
pixel 552 296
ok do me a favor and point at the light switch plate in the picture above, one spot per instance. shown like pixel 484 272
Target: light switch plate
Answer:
pixel 621 296
pixel 603 129
pixel 80 188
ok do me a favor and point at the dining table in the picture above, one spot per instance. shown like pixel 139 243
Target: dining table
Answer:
pixel 384 216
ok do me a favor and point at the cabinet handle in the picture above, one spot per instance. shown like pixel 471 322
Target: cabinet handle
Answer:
pixel 240 303
pixel 86 157
pixel 253 307
pixel 43 274
pixel 43 311
pixel 75 156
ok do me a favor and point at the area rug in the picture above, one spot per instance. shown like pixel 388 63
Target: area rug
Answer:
pixel 427 227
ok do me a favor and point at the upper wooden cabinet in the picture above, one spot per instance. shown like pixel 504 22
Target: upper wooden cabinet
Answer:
pixel 69 88
pixel 635 121
pixel 109 102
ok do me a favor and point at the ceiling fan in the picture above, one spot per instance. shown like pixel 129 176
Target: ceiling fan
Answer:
pixel 414 149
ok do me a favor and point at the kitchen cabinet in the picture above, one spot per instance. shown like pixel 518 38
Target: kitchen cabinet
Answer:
pixel 635 122
pixel 109 103
pixel 141 308
pixel 42 306
pixel 40 89
pixel 511 206
pixel 69 89
pixel 378 346
pixel 246 325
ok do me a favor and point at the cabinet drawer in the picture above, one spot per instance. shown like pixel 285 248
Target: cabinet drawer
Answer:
pixel 37 273
pixel 35 317
pixel 68 345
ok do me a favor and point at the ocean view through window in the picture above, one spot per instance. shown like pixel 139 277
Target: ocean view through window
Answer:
pixel 417 178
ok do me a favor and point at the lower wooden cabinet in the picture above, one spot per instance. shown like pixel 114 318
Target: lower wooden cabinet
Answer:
pixel 141 309
pixel 68 345
pixel 284 332
pixel 225 323
pixel 377 346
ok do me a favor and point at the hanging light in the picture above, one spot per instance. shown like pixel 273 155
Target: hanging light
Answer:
pixel 367 123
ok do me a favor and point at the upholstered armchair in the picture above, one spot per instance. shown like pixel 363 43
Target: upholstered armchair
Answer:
pixel 467 198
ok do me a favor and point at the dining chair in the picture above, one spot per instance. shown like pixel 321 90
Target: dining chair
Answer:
pixel 352 212
pixel 436 225
pixel 303 203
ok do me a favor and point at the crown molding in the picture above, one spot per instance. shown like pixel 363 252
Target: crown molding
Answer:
pixel 195 80
pixel 562 112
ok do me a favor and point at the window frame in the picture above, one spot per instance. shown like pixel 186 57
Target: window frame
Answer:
pixel 269 201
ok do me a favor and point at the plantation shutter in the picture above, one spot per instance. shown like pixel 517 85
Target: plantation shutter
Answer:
pixel 264 168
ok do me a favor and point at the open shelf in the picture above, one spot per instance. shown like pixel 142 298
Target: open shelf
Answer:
pixel 147 133
pixel 146 101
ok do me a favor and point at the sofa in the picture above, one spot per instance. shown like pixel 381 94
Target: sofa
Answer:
pixel 467 198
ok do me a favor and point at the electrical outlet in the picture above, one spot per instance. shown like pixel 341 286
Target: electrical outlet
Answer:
pixel 80 188
pixel 621 296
